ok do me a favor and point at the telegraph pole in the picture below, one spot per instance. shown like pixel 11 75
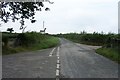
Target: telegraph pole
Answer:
pixel 43 24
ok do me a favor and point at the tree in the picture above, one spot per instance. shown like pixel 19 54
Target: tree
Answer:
pixel 20 11
pixel 10 30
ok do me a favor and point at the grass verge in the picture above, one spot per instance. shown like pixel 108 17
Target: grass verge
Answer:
pixel 46 43
pixel 111 53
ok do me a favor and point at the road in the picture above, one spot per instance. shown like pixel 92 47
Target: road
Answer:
pixel 68 60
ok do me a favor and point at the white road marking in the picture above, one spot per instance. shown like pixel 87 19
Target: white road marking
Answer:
pixel 51 53
pixel 57 72
pixel 58 66
pixel 58 57
pixel 58 61
pixel 58 51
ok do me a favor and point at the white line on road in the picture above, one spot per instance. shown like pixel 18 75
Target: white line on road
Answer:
pixel 58 61
pixel 57 72
pixel 58 51
pixel 58 66
pixel 51 53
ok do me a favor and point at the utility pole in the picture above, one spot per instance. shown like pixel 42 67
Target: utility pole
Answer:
pixel 43 31
pixel 43 24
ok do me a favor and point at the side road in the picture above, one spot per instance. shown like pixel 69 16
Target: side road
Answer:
pixel 81 61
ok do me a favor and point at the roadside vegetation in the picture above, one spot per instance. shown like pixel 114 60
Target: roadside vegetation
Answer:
pixel 110 42
pixel 111 53
pixel 29 41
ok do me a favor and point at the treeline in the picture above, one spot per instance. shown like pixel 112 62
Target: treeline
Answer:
pixel 105 40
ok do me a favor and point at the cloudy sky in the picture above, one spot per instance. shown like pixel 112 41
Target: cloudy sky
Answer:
pixel 74 16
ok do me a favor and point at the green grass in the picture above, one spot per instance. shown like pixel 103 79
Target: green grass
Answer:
pixel 45 43
pixel 9 50
pixel 110 53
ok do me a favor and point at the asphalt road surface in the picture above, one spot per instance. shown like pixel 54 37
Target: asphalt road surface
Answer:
pixel 68 60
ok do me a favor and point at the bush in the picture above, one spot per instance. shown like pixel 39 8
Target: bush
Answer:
pixel 29 38
pixel 28 41
pixel 106 40
pixel 24 39
pixel 5 41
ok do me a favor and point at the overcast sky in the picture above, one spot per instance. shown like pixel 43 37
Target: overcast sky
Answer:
pixel 74 16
